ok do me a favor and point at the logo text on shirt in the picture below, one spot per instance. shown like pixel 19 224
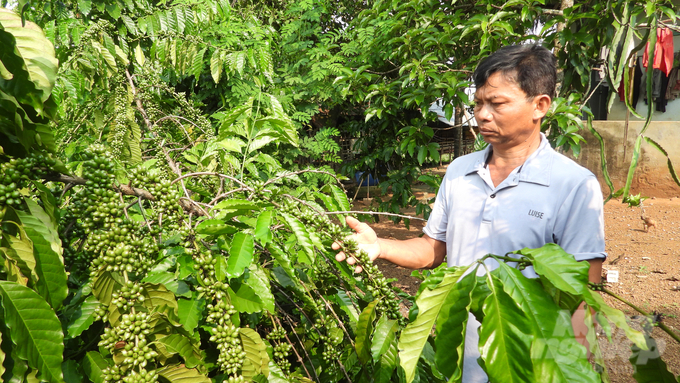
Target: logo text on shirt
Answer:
pixel 537 214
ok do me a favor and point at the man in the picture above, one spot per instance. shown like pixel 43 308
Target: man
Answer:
pixel 516 193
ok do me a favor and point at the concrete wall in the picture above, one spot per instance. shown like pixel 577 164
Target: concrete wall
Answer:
pixel 652 177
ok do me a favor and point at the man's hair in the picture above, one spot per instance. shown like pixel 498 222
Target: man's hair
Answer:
pixel 531 67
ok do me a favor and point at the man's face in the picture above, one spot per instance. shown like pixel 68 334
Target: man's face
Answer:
pixel 506 118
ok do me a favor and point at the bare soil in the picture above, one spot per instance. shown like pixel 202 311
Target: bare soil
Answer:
pixel 648 263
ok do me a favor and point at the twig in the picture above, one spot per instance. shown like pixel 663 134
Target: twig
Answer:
pixel 302 346
pixel 319 212
pixel 375 213
pixel 195 205
pixel 330 308
pixel 141 209
pixel 289 342
pixel 662 326
pixel 223 195
pixel 304 171
pixel 124 189
pixel 126 207
pixel 213 174
pixel 177 120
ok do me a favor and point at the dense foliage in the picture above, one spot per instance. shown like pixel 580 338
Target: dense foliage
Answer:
pixel 168 195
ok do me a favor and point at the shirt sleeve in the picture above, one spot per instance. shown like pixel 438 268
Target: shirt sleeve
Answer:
pixel 438 221
pixel 579 228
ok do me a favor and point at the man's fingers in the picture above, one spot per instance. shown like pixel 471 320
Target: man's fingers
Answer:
pixel 356 225
pixel 340 256
pixel 351 261
pixel 335 246
pixel 358 269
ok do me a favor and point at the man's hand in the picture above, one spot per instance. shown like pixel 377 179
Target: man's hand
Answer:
pixel 365 237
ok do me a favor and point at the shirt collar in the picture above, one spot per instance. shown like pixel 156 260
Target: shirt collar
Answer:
pixel 536 169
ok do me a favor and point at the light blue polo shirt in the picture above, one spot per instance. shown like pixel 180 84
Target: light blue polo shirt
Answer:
pixel 549 199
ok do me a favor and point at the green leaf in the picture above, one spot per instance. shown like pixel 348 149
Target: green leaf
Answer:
pixel 258 281
pixel 429 303
pixel 647 364
pixel 240 254
pixel 244 298
pixel 451 328
pixel 232 144
pixel 594 300
pixel 238 204
pixel 94 365
pixel 387 364
pixel 671 168
pixel 179 344
pixel 48 200
pixel 256 360
pixel 384 335
pixel 179 373
pixel 263 232
pixel 47 251
pixel 216 66
pixel 505 337
pixel 559 267
pixel 300 234
pixel 340 198
pixel 215 227
pixel 83 317
pixel 422 153
pixel 346 305
pixel 103 286
pixel 363 332
pixel 159 299
pixel 34 329
pixel 189 312
pixel 2 358
pixel 555 352
pixel 72 372
pixel 282 258
pixel 21 251
pixel 197 64
pixel 37 57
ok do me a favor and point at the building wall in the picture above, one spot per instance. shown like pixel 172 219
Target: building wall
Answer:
pixel 652 177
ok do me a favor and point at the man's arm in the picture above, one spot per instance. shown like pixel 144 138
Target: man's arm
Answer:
pixel 578 319
pixel 415 253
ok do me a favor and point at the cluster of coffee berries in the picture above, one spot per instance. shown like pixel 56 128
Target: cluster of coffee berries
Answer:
pixel 165 194
pixel 226 335
pixel 220 313
pixel 376 284
pixel 204 264
pixel 98 167
pixel 282 348
pixel 124 374
pixel 15 174
pixel 129 294
pixel 123 121
pixel 100 312
pixel 123 257
pixel 139 354
pixel 143 376
pixel 131 326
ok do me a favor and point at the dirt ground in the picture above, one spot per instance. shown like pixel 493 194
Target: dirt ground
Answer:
pixel 648 264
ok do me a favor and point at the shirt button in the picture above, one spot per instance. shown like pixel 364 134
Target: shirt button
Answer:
pixel 493 195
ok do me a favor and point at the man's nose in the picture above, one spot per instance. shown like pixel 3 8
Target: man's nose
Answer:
pixel 482 113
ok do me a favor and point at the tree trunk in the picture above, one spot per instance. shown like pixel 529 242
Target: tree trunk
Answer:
pixel 458 143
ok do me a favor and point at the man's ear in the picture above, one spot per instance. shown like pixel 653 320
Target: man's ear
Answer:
pixel 541 106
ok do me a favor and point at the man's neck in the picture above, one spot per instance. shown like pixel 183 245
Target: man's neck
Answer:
pixel 515 155
pixel 504 160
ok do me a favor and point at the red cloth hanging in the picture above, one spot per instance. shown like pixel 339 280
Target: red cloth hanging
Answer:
pixel 663 51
